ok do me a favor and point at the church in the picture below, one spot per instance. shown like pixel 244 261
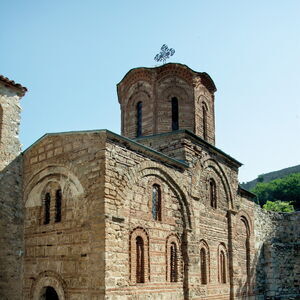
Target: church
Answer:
pixel 154 213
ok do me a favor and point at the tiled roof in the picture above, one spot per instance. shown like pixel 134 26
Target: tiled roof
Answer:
pixel 14 84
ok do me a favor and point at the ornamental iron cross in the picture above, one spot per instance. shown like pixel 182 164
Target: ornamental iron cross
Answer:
pixel 164 54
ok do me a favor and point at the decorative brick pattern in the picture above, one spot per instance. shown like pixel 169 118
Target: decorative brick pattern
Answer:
pixel 156 91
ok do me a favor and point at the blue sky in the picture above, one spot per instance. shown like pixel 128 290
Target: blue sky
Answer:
pixel 70 54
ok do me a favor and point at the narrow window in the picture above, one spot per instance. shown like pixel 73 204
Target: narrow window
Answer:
pixel 58 206
pixel 156 202
pixel 247 244
pixel 212 193
pixel 140 260
pixel 47 208
pixel 203 266
pixel 204 120
pixel 175 123
pixel 173 263
pixel 139 108
pixel 246 247
pixel 222 267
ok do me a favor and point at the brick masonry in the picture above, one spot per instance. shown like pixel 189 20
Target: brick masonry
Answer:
pixel 208 239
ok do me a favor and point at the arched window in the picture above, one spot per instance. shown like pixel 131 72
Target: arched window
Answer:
pixel 244 248
pixel 139 256
pixel 222 267
pixel 204 121
pixel 173 259
pixel 140 260
pixel 47 203
pixel 139 108
pixel 51 211
pixel 58 199
pixel 173 263
pixel 156 202
pixel 212 193
pixel 175 122
pixel 203 266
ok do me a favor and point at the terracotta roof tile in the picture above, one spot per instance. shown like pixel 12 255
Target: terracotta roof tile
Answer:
pixel 14 84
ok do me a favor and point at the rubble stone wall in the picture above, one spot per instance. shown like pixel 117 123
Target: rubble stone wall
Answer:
pixel 11 208
pixel 277 247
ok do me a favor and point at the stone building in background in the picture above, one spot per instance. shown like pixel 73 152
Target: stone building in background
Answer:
pixel 154 213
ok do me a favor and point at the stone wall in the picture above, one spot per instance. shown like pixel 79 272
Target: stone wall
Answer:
pixel 67 255
pixel 277 247
pixel 187 216
pixel 11 208
pixel 130 177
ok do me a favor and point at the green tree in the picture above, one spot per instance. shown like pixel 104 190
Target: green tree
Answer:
pixel 286 189
pixel 279 206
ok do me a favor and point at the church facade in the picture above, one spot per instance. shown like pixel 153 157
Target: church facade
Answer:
pixel 153 213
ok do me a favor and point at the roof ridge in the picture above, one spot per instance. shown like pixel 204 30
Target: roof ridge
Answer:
pixel 23 89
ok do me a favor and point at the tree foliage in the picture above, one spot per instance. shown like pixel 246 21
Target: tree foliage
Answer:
pixel 279 206
pixel 286 189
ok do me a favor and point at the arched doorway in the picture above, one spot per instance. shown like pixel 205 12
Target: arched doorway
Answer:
pixel 49 293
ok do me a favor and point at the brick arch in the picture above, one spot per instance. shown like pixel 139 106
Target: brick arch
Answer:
pixel 67 180
pixel 174 238
pixel 49 278
pixel 211 164
pixel 134 91
pixel 139 232
pixel 129 111
pixel 131 78
pixel 204 244
pixel 244 243
pixel 175 91
pixel 222 248
pixel 177 70
pixel 186 106
pixel 153 169
pixel 204 101
pixel 51 188
pixel 244 216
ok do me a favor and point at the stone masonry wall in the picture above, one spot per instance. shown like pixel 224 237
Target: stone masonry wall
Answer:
pixel 277 254
pixel 187 216
pixel 67 255
pixel 11 208
pixel 128 189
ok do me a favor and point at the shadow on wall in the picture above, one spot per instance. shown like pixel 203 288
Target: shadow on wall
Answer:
pixel 11 230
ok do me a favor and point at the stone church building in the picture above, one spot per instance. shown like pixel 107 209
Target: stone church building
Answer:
pixel 153 213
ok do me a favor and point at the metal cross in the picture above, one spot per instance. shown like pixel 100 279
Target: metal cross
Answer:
pixel 164 54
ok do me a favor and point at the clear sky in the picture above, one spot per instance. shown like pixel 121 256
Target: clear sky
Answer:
pixel 70 54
